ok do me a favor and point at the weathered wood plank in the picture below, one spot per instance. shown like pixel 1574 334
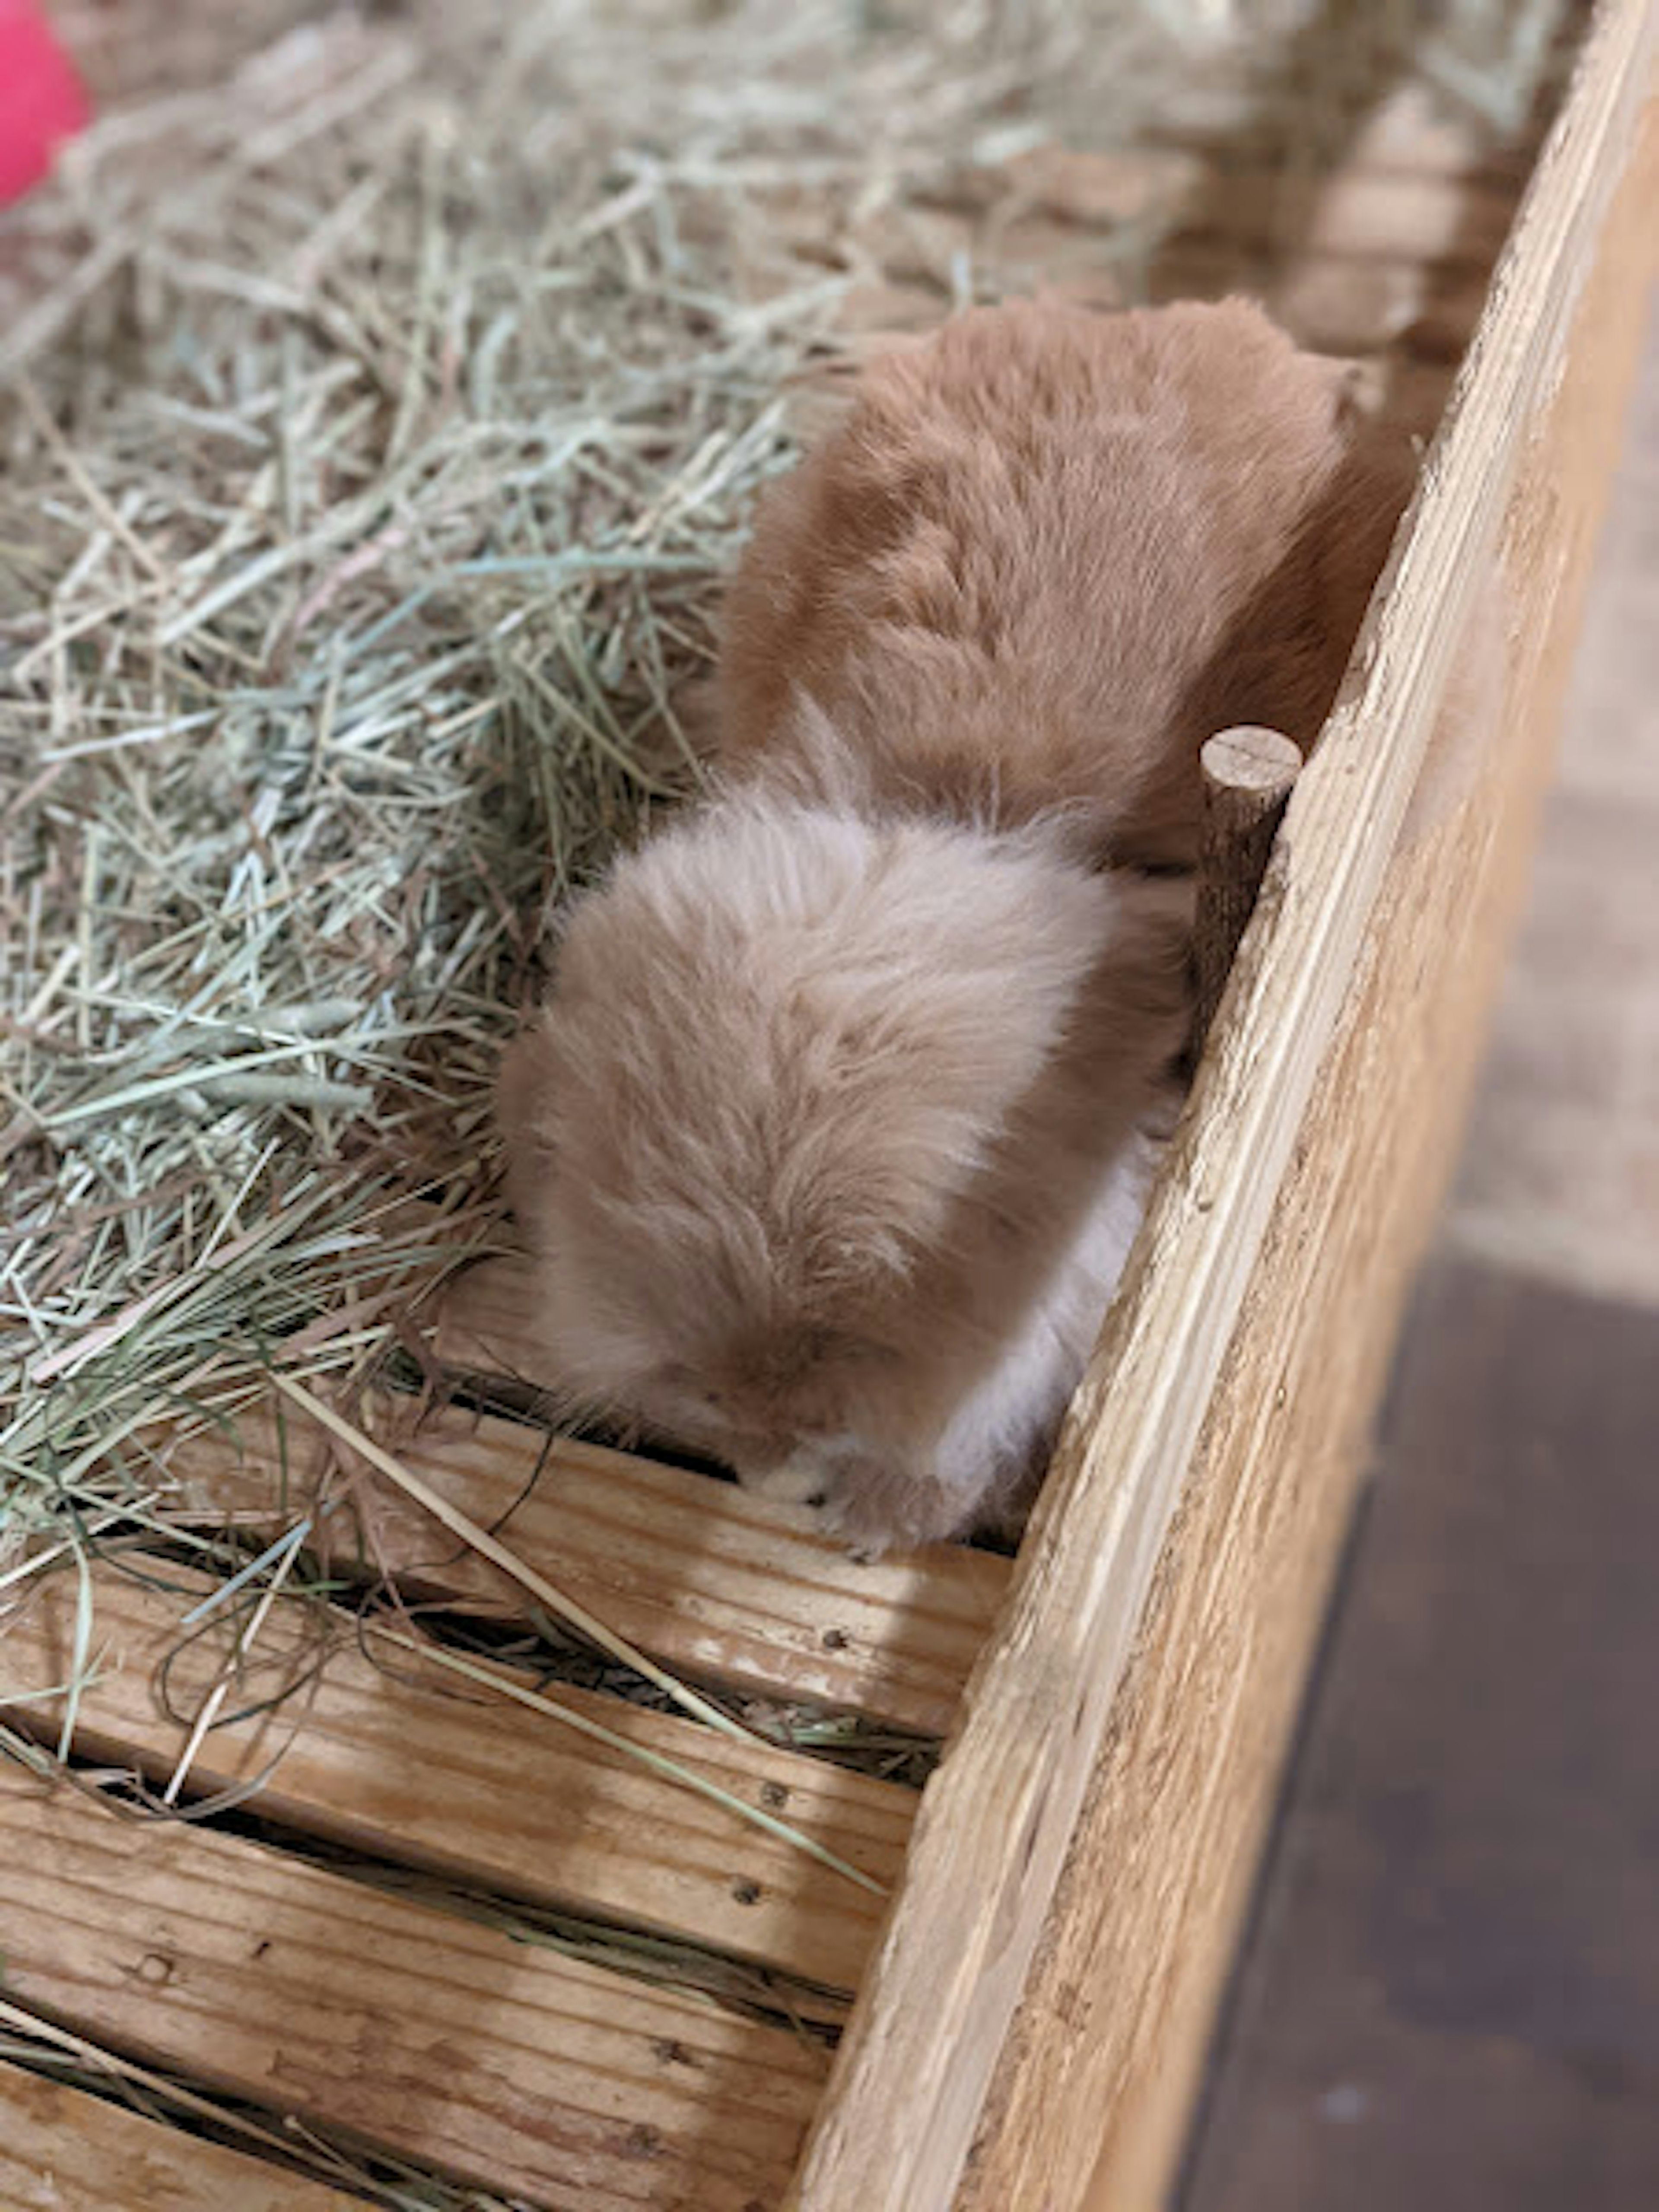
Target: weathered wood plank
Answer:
pixel 1363 213
pixel 1043 1709
pixel 1388 250
pixel 1206 1716
pixel 1408 140
pixel 1112 2028
pixel 62 2150
pixel 508 2067
pixel 701 1575
pixel 485 1323
pixel 442 1775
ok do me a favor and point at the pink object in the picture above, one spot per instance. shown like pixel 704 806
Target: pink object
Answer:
pixel 42 101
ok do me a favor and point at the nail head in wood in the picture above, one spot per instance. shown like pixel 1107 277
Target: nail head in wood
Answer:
pixel 1248 775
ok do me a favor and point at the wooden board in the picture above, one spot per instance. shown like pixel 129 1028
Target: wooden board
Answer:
pixel 1206 1339
pixel 1415 138
pixel 1370 214
pixel 699 1574
pixel 62 2150
pixel 1272 1485
pixel 1333 305
pixel 508 2067
pixel 485 1323
pixel 404 1764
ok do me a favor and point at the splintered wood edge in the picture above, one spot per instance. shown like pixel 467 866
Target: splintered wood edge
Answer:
pixel 391 1762
pixel 896 2129
pixel 62 2150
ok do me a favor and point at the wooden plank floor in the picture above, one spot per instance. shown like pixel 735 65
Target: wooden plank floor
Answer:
pixel 699 1574
pixel 443 2041
pixel 541 2076
pixel 508 2067
pixel 433 1773
pixel 62 2150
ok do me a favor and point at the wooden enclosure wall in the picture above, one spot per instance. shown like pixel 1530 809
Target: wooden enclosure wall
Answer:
pixel 1031 2035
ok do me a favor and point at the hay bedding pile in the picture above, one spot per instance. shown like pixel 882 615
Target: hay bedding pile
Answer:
pixel 377 423
pixel 378 416
pixel 382 395
pixel 378 407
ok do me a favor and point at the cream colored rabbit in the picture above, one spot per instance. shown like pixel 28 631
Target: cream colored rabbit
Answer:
pixel 838 1124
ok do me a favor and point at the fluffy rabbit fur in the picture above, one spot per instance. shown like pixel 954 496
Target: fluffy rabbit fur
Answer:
pixel 833 1135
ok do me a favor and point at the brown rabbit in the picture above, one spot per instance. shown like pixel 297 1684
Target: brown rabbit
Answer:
pixel 834 1133
pixel 1047 555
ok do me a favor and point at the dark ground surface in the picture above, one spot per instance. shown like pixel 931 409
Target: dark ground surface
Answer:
pixel 1452 1993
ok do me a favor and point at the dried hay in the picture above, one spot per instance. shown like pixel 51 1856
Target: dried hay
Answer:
pixel 382 396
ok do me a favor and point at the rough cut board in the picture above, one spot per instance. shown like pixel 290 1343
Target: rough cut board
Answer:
pixel 1425 222
pixel 940 2003
pixel 441 1774
pixel 1413 134
pixel 698 1573
pixel 62 2150
pixel 1336 306
pixel 1191 1803
pixel 1112 2029
pixel 484 1322
pixel 508 2067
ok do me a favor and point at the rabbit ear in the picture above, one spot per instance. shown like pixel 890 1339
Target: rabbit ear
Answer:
pixel 818 762
pixel 959 982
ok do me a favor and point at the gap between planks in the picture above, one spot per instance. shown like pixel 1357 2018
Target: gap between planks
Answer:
pixel 504 2065
pixel 64 2150
pixel 699 1574
pixel 1360 213
pixel 470 1786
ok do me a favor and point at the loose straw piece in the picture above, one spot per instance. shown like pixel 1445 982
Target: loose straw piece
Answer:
pixel 288 2140
pixel 1248 775
pixel 244 1644
pixel 489 1548
pixel 673 1770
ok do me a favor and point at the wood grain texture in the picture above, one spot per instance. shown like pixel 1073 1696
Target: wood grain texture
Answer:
pixel 508 2067
pixel 1417 138
pixel 702 1575
pixel 1371 213
pixel 1043 1707
pixel 1244 1582
pixel 403 1763
pixel 62 2150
